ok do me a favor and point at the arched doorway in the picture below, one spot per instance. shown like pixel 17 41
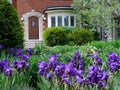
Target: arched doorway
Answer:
pixel 33 27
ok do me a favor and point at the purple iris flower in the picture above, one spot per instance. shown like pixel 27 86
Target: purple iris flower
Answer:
pixel 29 51
pixel 95 56
pixel 18 65
pixel 53 58
pixel 41 72
pixel 53 61
pixel 113 62
pixel 49 75
pixel 59 70
pixel 19 52
pixel 8 71
pixel 93 70
pixel 24 57
pixel 78 79
pixel 81 64
pixel 113 67
pixel 77 54
pixel 3 64
pixel 76 59
pixel 42 65
pixel 67 80
pixel 87 81
pixel 11 51
pixel 70 64
pixel 79 73
pixel 101 84
pixel 112 55
pixel 70 70
pixel 102 75
pixel 27 66
pixel 67 69
pixel 98 62
pixel 23 62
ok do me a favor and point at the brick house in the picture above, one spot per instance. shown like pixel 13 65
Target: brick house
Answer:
pixel 37 15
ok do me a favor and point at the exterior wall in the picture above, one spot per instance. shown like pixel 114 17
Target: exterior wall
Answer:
pixel 24 6
pixel 29 8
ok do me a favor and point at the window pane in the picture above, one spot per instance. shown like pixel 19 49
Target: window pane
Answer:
pixel 59 20
pixel 72 20
pixel 66 19
pixel 53 21
pixel 32 23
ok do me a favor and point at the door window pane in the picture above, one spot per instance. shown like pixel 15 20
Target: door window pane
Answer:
pixel 32 23
pixel 72 20
pixel 59 20
pixel 66 21
pixel 53 21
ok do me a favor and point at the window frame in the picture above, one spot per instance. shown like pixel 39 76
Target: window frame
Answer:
pixel 63 15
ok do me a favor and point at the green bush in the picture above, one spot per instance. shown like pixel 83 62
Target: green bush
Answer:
pixel 11 33
pixel 69 35
pixel 69 29
pixel 55 36
pixel 82 36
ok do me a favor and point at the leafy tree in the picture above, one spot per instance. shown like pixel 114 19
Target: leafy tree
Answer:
pixel 11 33
pixel 94 14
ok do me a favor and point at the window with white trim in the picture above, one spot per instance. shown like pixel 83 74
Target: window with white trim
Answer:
pixel 66 21
pixel 53 20
pixel 61 19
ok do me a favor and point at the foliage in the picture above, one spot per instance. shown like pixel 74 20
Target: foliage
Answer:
pixel 82 36
pixel 68 35
pixel 73 73
pixel 55 36
pixel 11 33
pixel 30 79
pixel 96 35
pixel 94 14
pixel 70 29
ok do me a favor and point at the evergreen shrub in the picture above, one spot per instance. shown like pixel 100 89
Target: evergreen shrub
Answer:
pixel 11 33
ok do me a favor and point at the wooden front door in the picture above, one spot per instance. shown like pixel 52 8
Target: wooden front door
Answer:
pixel 33 27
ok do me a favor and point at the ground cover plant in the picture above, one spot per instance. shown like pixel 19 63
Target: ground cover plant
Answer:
pixel 61 67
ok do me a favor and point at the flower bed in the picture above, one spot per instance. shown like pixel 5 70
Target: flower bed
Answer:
pixel 35 69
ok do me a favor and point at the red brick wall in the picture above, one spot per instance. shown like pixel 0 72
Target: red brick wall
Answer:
pixel 24 6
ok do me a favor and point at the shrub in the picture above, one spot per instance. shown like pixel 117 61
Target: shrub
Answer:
pixel 69 35
pixel 82 36
pixel 69 29
pixel 55 36
pixel 11 33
